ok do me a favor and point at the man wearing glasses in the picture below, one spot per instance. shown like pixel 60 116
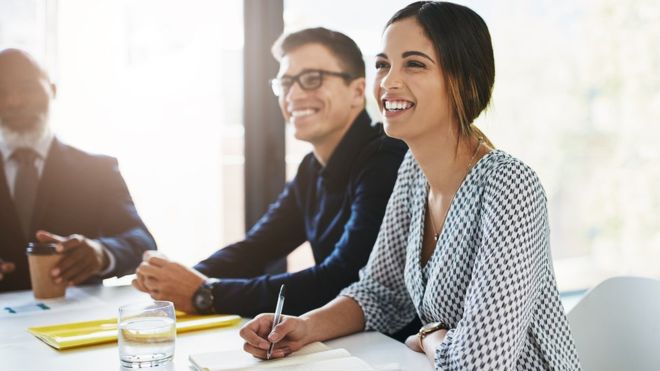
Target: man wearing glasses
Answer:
pixel 336 201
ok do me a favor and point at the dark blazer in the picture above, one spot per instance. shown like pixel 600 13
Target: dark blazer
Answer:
pixel 79 193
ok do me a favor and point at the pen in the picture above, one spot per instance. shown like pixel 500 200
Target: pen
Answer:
pixel 278 317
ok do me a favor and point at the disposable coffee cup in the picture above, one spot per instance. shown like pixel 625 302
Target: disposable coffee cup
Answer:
pixel 42 258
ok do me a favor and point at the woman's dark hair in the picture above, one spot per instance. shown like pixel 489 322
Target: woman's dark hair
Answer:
pixel 341 46
pixel 462 42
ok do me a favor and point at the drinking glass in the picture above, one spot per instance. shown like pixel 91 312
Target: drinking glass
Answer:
pixel 146 334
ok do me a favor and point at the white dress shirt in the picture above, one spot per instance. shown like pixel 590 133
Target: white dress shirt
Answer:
pixel 11 166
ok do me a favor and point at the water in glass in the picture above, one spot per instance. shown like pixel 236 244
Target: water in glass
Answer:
pixel 146 334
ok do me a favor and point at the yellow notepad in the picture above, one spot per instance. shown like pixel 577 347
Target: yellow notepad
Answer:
pixel 80 334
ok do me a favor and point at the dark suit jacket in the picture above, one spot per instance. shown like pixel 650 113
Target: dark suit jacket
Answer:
pixel 78 193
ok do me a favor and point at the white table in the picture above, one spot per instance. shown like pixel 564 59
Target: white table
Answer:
pixel 19 350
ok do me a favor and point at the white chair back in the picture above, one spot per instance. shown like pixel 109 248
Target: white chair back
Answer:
pixel 616 326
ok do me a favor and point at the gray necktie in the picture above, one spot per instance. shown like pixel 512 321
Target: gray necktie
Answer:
pixel 25 186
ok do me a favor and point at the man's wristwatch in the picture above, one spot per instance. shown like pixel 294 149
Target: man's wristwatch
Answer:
pixel 203 298
pixel 429 328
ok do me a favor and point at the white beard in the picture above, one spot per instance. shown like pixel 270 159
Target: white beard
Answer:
pixel 29 139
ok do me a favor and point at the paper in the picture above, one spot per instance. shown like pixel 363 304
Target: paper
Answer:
pixel 337 364
pixel 316 356
pixel 26 308
pixel 78 334
pixel 16 304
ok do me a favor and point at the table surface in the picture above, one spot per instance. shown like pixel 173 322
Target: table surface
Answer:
pixel 19 350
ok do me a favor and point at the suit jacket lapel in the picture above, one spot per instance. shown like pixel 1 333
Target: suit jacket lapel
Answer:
pixel 52 167
pixel 8 215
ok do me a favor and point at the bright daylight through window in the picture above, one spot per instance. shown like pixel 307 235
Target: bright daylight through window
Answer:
pixel 577 97
pixel 158 85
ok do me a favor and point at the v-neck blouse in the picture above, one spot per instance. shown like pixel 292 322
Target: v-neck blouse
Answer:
pixel 490 277
pixel 421 215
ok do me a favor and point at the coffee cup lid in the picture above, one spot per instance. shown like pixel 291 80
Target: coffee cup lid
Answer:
pixel 41 248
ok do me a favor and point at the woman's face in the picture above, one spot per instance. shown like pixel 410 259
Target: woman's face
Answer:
pixel 409 86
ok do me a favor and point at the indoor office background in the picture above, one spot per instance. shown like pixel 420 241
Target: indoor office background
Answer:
pixel 160 85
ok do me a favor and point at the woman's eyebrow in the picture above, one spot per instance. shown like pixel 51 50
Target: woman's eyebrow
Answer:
pixel 416 53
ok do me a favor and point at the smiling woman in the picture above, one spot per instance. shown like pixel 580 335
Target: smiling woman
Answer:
pixel 462 96
pixel 569 102
pixel 465 239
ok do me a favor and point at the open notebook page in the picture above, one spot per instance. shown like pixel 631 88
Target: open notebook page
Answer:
pixel 316 355
pixel 348 363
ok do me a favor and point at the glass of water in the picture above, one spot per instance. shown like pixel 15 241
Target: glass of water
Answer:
pixel 146 334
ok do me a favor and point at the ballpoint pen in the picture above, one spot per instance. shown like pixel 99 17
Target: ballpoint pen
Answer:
pixel 276 320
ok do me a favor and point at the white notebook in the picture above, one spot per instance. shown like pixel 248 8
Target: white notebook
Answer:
pixel 315 356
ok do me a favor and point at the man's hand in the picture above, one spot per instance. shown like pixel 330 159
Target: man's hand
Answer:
pixel 6 267
pixel 82 257
pixel 164 279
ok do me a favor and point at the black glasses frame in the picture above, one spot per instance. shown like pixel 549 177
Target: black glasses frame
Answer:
pixel 282 85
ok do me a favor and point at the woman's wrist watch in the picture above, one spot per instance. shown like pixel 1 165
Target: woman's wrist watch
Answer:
pixel 430 328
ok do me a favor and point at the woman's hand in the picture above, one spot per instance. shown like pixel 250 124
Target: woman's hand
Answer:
pixel 413 343
pixel 431 342
pixel 290 335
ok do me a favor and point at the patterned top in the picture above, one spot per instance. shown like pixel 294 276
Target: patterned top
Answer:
pixel 490 277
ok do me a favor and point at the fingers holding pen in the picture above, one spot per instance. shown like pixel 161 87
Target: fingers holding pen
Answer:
pixel 286 326
pixel 286 335
pixel 257 330
pixel 255 334
pixel 278 352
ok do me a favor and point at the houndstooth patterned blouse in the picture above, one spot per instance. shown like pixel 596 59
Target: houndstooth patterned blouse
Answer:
pixel 490 277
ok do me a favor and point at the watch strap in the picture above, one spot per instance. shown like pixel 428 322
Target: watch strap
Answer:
pixel 428 329
pixel 205 293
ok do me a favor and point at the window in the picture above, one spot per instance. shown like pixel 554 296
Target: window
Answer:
pixel 157 84
pixel 577 97
pixel 23 25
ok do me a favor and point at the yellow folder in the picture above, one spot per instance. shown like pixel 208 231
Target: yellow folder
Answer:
pixel 80 334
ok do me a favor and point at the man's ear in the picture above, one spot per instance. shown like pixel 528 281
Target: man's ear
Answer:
pixel 358 87
pixel 53 90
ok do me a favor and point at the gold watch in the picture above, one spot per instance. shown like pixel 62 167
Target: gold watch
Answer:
pixel 430 328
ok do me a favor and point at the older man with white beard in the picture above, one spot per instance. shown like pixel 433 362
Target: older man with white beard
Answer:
pixel 52 192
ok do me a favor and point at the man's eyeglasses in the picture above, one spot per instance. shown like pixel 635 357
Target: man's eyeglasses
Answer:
pixel 308 80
